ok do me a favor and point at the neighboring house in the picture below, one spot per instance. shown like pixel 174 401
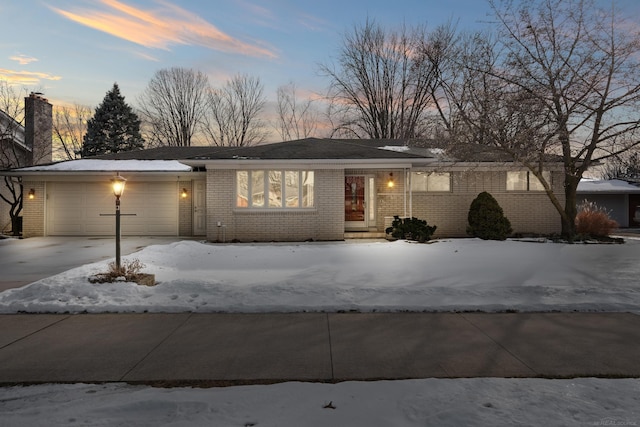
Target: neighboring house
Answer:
pixel 23 146
pixel 619 198
pixel 319 189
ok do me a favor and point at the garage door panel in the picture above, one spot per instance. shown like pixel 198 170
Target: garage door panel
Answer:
pixel 76 209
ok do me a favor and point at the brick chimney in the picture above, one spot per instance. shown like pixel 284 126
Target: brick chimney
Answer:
pixel 38 128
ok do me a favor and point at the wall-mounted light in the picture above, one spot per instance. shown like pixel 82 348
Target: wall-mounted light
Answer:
pixel 32 194
pixel 184 193
pixel 390 181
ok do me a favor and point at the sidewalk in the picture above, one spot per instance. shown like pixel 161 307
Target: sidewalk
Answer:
pixel 186 347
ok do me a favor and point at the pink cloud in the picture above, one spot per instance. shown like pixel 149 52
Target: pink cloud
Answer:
pixel 166 26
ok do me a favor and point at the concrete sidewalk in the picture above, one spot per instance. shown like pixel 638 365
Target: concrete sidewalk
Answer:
pixel 185 347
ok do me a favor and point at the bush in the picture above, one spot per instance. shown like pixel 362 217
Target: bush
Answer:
pixel 130 270
pixel 411 229
pixel 593 220
pixel 486 219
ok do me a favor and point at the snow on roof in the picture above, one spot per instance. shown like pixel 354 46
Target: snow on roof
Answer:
pixel 398 148
pixel 98 165
pixel 606 186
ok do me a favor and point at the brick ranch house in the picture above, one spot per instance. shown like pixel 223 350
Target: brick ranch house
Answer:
pixel 319 189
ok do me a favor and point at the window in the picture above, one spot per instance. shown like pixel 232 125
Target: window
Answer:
pixel 430 181
pixel 526 181
pixel 285 189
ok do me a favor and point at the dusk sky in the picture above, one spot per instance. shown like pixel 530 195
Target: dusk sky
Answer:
pixel 74 50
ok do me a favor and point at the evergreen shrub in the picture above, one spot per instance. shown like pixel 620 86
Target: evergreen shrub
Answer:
pixel 487 220
pixel 411 229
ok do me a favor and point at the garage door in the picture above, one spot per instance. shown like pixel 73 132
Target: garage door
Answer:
pixel 73 209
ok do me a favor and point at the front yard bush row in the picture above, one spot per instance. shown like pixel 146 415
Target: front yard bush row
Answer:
pixel 486 220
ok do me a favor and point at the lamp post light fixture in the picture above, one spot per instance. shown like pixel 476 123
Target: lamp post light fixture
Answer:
pixel 117 184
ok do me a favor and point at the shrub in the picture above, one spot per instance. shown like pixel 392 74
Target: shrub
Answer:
pixel 128 269
pixel 411 229
pixel 486 219
pixel 593 220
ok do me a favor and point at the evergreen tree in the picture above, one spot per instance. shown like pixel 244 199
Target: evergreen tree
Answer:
pixel 487 220
pixel 113 128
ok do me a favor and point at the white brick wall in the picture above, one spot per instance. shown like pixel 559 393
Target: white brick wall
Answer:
pixel 529 212
pixel 324 222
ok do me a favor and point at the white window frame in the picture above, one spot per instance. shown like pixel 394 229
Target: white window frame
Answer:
pixel 267 186
pixel 532 181
pixel 428 186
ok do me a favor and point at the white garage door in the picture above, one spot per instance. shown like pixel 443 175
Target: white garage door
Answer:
pixel 73 209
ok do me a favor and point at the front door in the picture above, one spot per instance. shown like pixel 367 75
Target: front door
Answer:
pixel 199 208
pixel 356 196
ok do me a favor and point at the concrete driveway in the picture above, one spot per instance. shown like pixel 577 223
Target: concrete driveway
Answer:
pixel 23 261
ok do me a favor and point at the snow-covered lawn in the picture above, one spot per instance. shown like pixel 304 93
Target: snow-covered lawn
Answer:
pixel 460 274
pixel 430 402
pixel 456 274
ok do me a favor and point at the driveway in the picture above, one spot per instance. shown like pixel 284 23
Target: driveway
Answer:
pixel 24 261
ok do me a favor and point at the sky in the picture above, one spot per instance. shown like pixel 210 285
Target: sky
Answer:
pixel 74 50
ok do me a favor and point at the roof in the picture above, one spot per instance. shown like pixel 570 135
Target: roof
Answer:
pixel 99 165
pixel 316 150
pixel 607 186
pixel 301 149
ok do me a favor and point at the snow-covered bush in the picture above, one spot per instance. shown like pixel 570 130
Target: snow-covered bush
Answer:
pixel 486 219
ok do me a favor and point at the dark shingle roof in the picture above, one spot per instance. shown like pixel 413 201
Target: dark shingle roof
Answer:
pixel 309 148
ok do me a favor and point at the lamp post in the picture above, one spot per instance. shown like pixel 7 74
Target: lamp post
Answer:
pixel 117 183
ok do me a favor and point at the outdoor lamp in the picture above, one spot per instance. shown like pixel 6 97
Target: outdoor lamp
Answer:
pixel 117 183
pixel 184 193
pixel 390 182
pixel 32 194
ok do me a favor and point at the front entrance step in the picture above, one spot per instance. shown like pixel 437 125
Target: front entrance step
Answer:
pixel 364 235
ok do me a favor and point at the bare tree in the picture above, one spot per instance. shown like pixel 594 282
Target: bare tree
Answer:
pixel 13 151
pixel 69 128
pixel 562 79
pixel 296 119
pixel 381 85
pixel 172 106
pixel 234 113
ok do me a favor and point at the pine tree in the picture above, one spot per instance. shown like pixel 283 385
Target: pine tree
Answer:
pixel 486 219
pixel 113 128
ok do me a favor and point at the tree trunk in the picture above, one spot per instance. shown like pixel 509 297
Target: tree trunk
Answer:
pixel 570 208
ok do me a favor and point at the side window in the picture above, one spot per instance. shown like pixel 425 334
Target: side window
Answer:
pixel 526 181
pixel 430 181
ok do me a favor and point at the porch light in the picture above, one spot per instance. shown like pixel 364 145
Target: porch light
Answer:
pixel 32 194
pixel 390 182
pixel 184 193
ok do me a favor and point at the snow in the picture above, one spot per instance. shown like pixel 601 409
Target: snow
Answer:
pixel 398 148
pixel 441 402
pixel 97 165
pixel 443 275
pixel 606 186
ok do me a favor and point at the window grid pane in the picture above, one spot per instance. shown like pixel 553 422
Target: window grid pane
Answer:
pixel 242 189
pixel 257 189
pixel 285 189
pixel 275 189
pixel 517 181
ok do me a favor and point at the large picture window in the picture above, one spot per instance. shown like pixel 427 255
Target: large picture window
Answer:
pixel 430 181
pixel 284 189
pixel 526 181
